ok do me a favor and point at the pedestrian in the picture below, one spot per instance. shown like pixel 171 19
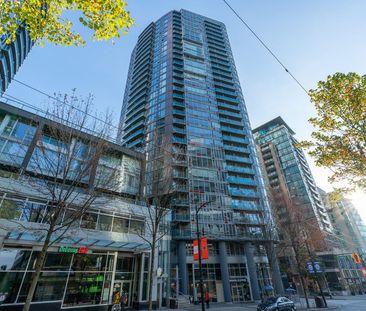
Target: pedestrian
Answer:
pixel 123 300
pixel 207 299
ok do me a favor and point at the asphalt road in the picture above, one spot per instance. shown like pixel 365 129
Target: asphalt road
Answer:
pixel 348 303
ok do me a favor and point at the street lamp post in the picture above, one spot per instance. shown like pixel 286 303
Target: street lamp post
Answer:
pixel 198 235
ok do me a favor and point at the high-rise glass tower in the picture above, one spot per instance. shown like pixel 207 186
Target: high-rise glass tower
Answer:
pixel 183 92
pixel 12 56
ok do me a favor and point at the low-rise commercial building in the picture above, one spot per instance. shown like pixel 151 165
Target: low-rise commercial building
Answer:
pixel 101 253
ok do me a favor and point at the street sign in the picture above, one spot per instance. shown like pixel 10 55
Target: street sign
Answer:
pixel 310 267
pixel 317 267
pixel 313 267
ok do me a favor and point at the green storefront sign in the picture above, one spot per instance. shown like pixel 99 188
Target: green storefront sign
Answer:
pixel 73 250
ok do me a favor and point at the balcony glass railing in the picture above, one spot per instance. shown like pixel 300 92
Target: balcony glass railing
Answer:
pixel 235 139
pixel 235 148
pixel 243 192
pixel 238 169
pixel 242 205
pixel 241 181
pixel 181 217
pixel 181 233
pixel 238 159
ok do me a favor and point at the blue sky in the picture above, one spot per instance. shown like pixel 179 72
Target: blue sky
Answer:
pixel 313 38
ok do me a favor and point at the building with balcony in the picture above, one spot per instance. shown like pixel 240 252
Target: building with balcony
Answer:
pixel 294 194
pixel 12 56
pixel 183 105
pixel 101 253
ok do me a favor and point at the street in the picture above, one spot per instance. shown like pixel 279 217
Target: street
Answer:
pixel 344 303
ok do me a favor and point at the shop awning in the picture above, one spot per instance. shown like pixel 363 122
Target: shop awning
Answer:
pixel 80 241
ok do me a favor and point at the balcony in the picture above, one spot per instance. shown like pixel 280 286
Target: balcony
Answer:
pixel 238 169
pixel 235 139
pixel 232 130
pixel 179 121
pixel 178 112
pixel 230 121
pixel 244 219
pixel 229 106
pixel 245 206
pixel 181 217
pixel 179 130
pixel 228 99
pixel 241 181
pixel 237 149
pixel 180 202
pixel 179 140
pixel 243 192
pixel 238 159
pixel 181 233
pixel 230 114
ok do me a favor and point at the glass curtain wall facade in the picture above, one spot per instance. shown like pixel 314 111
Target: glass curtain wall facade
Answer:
pixel 183 93
pixel 12 56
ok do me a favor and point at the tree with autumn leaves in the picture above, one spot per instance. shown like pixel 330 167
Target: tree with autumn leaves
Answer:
pixel 339 139
pixel 49 20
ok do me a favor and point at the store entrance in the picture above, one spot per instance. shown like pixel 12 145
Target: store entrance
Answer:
pixel 124 289
pixel 240 292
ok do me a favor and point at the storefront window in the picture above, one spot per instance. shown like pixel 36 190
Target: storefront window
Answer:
pixel 50 286
pixel 57 262
pixel 11 259
pixel 106 288
pixel 84 289
pixel 10 284
pixel 89 262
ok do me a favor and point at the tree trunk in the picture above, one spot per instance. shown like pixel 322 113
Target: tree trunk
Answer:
pixel 39 265
pixel 151 272
pixel 301 279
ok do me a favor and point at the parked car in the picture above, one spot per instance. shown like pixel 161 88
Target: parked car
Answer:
pixel 277 304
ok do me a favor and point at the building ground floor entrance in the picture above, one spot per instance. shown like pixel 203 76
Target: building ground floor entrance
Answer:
pixel 240 291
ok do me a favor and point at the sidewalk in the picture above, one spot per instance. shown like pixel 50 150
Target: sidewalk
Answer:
pixel 249 307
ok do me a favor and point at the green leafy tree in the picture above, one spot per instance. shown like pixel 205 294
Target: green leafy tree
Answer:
pixel 339 138
pixel 46 20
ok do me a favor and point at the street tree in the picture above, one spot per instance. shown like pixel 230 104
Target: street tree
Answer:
pixel 339 139
pixel 298 233
pixel 159 190
pixel 53 20
pixel 65 170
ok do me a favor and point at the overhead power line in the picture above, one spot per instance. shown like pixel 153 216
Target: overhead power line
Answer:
pixel 63 102
pixel 266 47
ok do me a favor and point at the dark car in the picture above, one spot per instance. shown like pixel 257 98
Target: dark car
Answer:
pixel 277 303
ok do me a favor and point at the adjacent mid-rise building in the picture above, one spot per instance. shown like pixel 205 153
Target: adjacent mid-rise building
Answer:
pixel 285 164
pixel 347 223
pixel 12 56
pixel 183 105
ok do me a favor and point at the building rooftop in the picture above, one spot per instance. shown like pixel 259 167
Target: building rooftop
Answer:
pixel 273 123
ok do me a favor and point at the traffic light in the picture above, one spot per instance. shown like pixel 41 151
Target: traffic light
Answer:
pixel 356 258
